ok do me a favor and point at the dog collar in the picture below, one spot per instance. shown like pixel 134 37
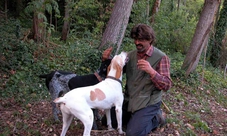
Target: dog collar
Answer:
pixel 114 79
pixel 98 76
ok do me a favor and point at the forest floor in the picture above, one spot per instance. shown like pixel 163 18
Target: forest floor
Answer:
pixel 18 119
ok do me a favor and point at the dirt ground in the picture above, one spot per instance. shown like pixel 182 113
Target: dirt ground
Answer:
pixel 36 119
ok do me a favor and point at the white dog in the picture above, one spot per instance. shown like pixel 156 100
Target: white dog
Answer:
pixel 103 96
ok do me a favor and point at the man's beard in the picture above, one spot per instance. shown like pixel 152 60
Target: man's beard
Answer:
pixel 140 48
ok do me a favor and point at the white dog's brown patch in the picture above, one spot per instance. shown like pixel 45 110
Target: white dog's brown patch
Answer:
pixel 97 94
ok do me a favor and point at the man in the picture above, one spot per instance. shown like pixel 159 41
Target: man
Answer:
pixel 147 75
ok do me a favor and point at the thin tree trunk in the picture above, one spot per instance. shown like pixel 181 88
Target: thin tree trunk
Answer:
pixel 204 60
pixel 51 18
pixel 36 30
pixel 56 23
pixel 155 9
pixel 6 10
pixel 218 57
pixel 65 28
pixel 117 24
pixel 202 30
pixel 148 8
pixel 19 7
pixel 178 4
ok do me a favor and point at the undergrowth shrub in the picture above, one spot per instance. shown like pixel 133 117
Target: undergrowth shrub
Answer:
pixel 82 60
pixel 25 60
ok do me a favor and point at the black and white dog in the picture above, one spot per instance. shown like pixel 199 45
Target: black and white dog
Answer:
pixel 59 82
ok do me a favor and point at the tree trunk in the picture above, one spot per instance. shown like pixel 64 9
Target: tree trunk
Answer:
pixel 6 10
pixel 155 9
pixel 202 30
pixel 117 24
pixel 218 57
pixel 66 26
pixel 148 8
pixel 223 58
pixel 19 7
pixel 37 29
pixel 178 4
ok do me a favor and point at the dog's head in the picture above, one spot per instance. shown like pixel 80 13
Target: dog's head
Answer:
pixel 117 63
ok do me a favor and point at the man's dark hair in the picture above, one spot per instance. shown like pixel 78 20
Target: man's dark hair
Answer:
pixel 143 32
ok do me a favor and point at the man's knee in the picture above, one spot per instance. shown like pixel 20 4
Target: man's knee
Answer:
pixel 135 132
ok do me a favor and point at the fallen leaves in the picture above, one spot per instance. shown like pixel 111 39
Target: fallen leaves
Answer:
pixel 189 126
pixel 33 118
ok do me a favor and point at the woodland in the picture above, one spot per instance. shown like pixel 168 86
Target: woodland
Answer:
pixel 39 36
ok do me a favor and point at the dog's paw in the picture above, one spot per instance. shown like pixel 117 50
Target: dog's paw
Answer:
pixel 121 132
pixel 56 120
pixel 110 129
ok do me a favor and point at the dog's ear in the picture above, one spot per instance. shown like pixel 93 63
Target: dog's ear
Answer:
pixel 58 75
pixel 118 69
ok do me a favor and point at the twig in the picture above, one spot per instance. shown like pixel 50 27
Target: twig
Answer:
pixel 166 107
pixel 225 71
pixel 100 131
pixel 204 63
pixel 26 35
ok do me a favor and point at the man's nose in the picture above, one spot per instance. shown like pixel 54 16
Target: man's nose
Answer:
pixel 136 41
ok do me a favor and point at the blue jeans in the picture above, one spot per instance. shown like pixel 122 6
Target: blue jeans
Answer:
pixel 143 121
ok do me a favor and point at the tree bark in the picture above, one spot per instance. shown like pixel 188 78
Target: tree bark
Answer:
pixel 37 30
pixel 202 30
pixel 66 26
pixel 218 51
pixel 6 10
pixel 19 7
pixel 155 9
pixel 117 24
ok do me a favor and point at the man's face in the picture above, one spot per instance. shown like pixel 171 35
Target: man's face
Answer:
pixel 142 45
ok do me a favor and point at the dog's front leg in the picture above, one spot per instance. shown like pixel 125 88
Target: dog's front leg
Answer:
pixel 108 119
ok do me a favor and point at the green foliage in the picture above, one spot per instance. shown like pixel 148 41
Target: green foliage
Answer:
pixel 202 125
pixel 139 12
pixel 29 60
pixel 176 60
pixel 88 16
pixel 37 6
pixel 10 46
pixel 174 30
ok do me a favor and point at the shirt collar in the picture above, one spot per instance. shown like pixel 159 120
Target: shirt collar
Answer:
pixel 148 53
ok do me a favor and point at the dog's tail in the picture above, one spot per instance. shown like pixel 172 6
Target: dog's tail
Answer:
pixel 47 76
pixel 59 100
